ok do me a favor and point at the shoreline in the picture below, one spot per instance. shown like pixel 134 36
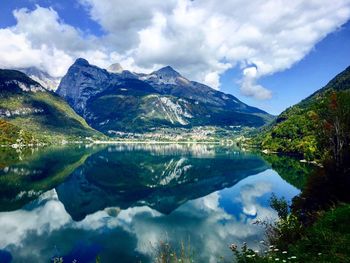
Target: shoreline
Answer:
pixel 155 142
pixel 16 146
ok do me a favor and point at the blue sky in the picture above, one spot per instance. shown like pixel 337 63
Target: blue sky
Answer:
pixel 328 58
pixel 264 54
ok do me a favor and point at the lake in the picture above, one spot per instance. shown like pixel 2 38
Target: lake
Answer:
pixel 119 202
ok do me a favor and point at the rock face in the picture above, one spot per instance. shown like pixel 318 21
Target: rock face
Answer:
pixel 82 82
pixel 43 78
pixel 126 101
pixel 115 68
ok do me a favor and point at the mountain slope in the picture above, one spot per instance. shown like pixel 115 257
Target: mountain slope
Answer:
pixel 28 108
pixel 125 101
pixel 294 130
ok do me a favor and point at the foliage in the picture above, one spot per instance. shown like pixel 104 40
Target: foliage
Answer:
pixel 294 133
pixel 334 127
pixel 34 116
pixel 280 205
pixel 325 241
pixel 287 229
pixel 11 134
pixel 316 228
pixel 328 240
pixel 271 254
pixel 296 130
pixel 166 253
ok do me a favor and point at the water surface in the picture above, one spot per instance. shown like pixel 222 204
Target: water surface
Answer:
pixel 118 202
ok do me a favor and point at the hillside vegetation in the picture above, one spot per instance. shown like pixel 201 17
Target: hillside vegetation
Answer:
pixel 11 134
pixel 296 130
pixel 314 227
pixel 29 113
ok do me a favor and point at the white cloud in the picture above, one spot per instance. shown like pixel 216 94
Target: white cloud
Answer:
pixel 16 51
pixel 210 223
pixel 17 224
pixel 204 38
pixel 201 39
pixel 249 193
pixel 249 86
pixel 41 39
pixel 43 26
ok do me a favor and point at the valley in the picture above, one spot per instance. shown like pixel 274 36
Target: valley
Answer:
pixel 176 131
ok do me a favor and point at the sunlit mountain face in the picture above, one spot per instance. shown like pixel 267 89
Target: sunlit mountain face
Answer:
pixel 136 102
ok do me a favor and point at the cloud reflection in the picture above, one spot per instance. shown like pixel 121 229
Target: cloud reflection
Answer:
pixel 210 223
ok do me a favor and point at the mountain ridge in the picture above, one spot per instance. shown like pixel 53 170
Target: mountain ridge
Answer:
pixel 138 101
pixel 42 77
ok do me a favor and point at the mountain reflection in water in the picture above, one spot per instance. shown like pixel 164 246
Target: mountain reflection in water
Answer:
pixel 119 201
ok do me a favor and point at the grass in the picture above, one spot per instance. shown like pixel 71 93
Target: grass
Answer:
pixel 167 253
pixel 326 241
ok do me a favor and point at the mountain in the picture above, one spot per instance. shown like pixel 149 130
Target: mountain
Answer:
pixel 126 101
pixel 43 78
pixel 115 68
pixel 295 130
pixel 29 112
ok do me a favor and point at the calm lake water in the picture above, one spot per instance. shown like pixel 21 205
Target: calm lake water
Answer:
pixel 118 202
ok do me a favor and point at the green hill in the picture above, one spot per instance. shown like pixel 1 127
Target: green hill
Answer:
pixel 29 113
pixel 296 130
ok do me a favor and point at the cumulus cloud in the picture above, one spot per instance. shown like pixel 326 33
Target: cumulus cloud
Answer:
pixel 43 26
pixel 201 39
pixel 16 51
pixel 34 41
pixel 50 216
pixel 249 86
pixel 41 39
pixel 212 221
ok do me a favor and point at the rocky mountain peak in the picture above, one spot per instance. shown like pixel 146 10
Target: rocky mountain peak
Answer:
pixel 82 81
pixel 115 68
pixel 82 62
pixel 135 101
pixel 167 72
